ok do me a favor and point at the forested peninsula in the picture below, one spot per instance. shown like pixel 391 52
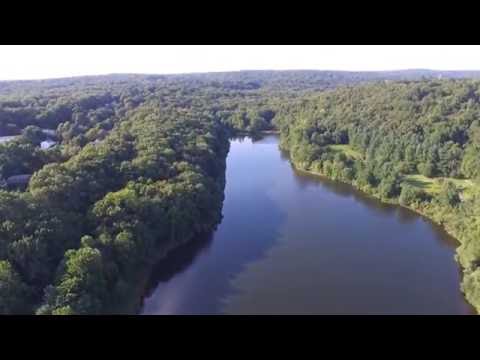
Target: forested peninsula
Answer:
pixel 100 177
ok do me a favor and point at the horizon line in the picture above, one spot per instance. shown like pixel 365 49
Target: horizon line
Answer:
pixel 65 77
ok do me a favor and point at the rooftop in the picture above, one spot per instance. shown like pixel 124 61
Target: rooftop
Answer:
pixel 18 179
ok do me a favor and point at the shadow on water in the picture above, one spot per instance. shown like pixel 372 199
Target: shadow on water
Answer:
pixel 195 278
pixel 404 215
pixel 345 190
pixel 198 278
pixel 249 245
pixel 441 234
pixel 177 261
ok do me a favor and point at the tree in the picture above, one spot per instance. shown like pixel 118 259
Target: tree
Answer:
pixel 33 134
pixel 82 287
pixel 390 186
pixel 471 162
pixel 426 169
pixel 411 195
pixel 14 294
pixel 449 194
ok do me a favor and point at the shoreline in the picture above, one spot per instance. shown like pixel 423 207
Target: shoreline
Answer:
pixel 396 203
pixel 141 279
pixel 134 304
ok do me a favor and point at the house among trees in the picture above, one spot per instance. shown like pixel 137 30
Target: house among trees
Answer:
pixel 47 144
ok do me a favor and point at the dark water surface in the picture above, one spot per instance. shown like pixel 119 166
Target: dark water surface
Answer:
pixel 292 243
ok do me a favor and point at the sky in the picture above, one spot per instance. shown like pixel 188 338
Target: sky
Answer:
pixel 52 61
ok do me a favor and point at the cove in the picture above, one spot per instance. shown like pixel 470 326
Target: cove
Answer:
pixel 294 243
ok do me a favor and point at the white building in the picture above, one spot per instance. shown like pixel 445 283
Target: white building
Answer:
pixel 47 144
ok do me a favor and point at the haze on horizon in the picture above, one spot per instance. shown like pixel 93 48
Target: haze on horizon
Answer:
pixel 23 62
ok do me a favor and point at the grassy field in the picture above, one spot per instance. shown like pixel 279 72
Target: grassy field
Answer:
pixel 433 185
pixel 346 149
pixel 427 184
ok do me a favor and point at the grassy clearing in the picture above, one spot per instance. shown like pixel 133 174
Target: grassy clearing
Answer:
pixel 429 185
pixel 433 185
pixel 472 190
pixel 346 149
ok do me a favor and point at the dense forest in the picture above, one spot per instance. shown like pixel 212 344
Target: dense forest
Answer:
pixel 136 167
pixel 412 143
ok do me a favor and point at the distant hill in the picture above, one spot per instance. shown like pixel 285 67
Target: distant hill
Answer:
pixel 254 79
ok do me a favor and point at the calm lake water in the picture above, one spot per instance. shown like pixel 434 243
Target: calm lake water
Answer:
pixel 293 243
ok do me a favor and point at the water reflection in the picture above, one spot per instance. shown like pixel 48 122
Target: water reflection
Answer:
pixel 306 179
pixel 291 242
pixel 177 261
pixel 406 216
pixel 197 282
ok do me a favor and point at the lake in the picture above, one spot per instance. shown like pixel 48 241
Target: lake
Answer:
pixel 294 243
